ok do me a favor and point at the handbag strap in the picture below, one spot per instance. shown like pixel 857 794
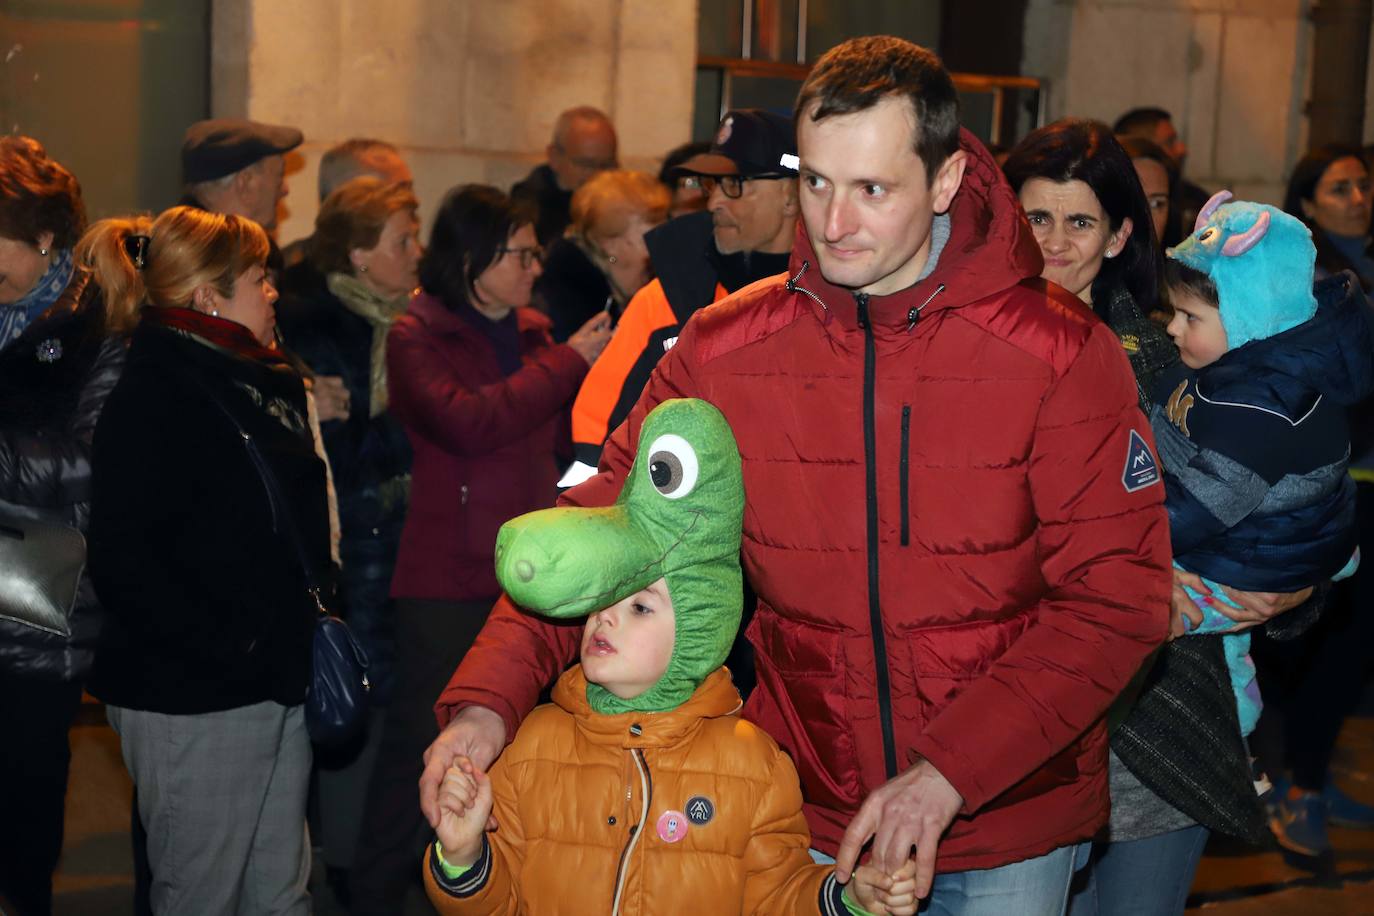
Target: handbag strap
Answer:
pixel 281 509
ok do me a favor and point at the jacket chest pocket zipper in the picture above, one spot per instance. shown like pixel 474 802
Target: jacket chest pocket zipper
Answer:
pixel 904 465
pixel 463 494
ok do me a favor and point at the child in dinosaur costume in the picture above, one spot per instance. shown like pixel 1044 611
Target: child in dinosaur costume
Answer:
pixel 639 790
pixel 1251 427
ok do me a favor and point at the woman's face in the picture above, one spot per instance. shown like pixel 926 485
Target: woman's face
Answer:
pixel 1340 202
pixel 21 266
pixel 631 266
pixel 507 282
pixel 1154 178
pixel 390 266
pixel 251 304
pixel 1073 231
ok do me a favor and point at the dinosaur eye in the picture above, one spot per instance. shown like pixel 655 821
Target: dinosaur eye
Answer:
pixel 1208 234
pixel 672 466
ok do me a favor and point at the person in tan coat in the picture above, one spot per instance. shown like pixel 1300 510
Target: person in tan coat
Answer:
pixel 639 785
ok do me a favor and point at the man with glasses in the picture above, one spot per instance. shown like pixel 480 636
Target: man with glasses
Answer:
pixel 749 176
pixel 583 144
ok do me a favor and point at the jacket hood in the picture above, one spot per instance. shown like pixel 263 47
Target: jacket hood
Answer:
pixel 990 249
pixel 678 518
pixel 1332 353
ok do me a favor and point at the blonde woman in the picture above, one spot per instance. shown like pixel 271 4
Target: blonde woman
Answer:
pixel 204 661
pixel 602 261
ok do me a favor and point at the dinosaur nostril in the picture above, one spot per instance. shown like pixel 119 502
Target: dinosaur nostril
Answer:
pixel 524 570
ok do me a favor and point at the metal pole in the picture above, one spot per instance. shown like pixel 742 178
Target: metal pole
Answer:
pixel 747 30
pixel 801 31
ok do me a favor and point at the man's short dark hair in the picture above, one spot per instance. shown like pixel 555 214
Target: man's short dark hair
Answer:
pixel 860 73
pixel 1140 120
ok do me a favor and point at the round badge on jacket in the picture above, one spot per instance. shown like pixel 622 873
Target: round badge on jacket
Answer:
pixel 672 826
pixel 700 810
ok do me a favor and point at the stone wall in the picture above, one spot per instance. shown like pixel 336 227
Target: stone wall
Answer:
pixel 468 90
pixel 1234 73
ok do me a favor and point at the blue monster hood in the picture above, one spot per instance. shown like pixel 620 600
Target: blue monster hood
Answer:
pixel 1262 262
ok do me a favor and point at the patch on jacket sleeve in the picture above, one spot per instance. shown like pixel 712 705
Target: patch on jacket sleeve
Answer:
pixel 1141 469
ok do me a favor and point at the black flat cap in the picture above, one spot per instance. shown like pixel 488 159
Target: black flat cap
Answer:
pixel 222 146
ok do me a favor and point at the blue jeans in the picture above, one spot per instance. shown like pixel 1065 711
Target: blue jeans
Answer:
pixel 1148 877
pixel 1034 887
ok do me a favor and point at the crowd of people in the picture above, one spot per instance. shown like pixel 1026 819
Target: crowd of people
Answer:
pixel 995 570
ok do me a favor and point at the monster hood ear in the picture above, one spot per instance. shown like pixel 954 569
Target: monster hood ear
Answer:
pixel 1262 261
pixel 678 517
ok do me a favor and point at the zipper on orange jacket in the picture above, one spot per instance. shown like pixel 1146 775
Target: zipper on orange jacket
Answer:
pixel 646 794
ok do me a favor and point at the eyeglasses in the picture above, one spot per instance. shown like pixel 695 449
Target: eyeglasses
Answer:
pixel 732 186
pixel 529 254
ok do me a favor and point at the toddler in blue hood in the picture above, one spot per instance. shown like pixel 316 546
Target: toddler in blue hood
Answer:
pixel 1251 426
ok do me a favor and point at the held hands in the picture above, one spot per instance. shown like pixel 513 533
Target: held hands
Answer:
pixel 477 733
pixel 912 809
pixel 464 812
pixel 592 337
pixel 882 894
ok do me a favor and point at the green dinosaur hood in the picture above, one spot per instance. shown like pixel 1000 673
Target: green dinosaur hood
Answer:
pixel 678 517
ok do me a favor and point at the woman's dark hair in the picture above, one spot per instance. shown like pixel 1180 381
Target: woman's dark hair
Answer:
pixel 1081 150
pixel 38 195
pixel 471 227
pixel 1302 186
pixel 1180 278
pixel 1138 147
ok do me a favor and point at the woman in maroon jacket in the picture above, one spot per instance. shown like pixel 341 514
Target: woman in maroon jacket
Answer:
pixel 483 393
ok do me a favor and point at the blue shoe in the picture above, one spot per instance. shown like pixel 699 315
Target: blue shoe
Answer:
pixel 1344 811
pixel 1298 822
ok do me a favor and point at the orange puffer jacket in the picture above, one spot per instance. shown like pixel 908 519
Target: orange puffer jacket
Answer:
pixel 643 813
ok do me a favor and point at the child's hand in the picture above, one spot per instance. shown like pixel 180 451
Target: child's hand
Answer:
pixel 881 894
pixel 464 806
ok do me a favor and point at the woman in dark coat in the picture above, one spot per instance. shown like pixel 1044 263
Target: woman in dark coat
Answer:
pixel 60 354
pixel 336 309
pixel 204 660
pixel 484 394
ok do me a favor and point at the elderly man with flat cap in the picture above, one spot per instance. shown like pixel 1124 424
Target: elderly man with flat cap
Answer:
pixel 237 167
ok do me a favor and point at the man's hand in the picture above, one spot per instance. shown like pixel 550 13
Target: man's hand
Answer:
pixel 477 733
pixel 913 809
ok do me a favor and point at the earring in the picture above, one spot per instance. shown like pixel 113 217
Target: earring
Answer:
pixel 42 252
pixel 1111 254
pixel 214 313
pixel 611 258
pixel 362 268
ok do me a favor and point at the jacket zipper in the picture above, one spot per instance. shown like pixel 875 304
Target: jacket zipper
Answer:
pixel 905 466
pixel 646 794
pixel 875 613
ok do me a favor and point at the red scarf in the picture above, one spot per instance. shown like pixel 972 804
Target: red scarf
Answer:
pixel 216 332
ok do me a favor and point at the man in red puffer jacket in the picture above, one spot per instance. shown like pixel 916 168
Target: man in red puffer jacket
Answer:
pixel 954 520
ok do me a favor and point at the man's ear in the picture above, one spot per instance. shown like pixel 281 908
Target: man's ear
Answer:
pixel 947 180
pixel 790 198
pixel 45 241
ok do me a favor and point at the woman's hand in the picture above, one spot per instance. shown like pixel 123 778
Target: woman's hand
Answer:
pixel 592 337
pixel 331 398
pixel 1184 607
pixel 1258 607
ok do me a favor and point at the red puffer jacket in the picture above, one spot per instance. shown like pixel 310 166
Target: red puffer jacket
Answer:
pixel 955 529
pixel 484 443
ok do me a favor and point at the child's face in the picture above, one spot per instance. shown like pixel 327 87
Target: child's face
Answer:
pixel 627 646
pixel 1197 330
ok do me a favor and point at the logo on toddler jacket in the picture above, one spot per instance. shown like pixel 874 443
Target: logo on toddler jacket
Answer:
pixel 1141 468
pixel 700 810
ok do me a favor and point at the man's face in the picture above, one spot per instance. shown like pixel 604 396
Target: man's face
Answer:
pixel 864 196
pixel 762 218
pixel 1167 138
pixel 587 147
pixel 263 187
